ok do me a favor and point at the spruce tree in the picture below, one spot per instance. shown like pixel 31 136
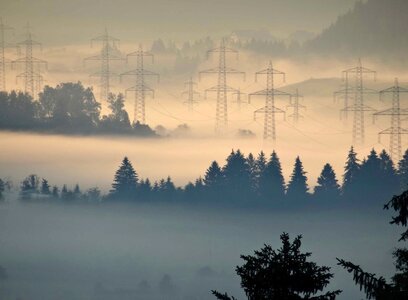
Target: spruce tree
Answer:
pixel 45 187
pixel 124 185
pixel 260 166
pixel 351 171
pixel 403 172
pixel 213 177
pixel 55 192
pixel 271 181
pixel 327 187
pixel 282 274
pixel 297 187
pixel 389 176
pixel 252 168
pixel 237 176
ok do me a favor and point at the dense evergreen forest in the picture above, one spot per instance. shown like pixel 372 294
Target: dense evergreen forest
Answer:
pixel 69 108
pixel 243 180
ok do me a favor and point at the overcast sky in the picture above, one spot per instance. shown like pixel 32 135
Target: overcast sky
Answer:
pixel 74 21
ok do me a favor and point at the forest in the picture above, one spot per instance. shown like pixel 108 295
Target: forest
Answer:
pixel 243 180
pixel 68 108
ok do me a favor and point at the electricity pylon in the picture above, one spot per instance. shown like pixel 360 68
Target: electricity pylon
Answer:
pixel 222 89
pixel 3 61
pixel 358 107
pixel 269 110
pixel 32 66
pixel 109 52
pixel 395 131
pixel 294 103
pixel 191 93
pixel 345 94
pixel 140 88
pixel 238 99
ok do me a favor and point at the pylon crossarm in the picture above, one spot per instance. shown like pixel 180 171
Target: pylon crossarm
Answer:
pixel 100 73
pixel 398 130
pixel 358 108
pixel 392 112
pixel 394 89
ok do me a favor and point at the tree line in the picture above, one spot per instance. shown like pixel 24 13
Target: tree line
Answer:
pixel 245 180
pixel 67 108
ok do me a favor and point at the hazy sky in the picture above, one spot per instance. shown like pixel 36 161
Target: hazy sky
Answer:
pixel 74 21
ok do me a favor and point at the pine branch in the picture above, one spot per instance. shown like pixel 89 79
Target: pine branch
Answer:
pixel 223 296
pixel 369 283
pixel 327 296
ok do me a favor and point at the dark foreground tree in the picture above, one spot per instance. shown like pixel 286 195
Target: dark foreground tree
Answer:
pixel 125 182
pixel 283 274
pixel 377 287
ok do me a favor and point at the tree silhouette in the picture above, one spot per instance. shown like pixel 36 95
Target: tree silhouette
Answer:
pixel 45 187
pixel 403 171
pixel 124 185
pixel 237 176
pixel 271 181
pixel 282 274
pixel 2 188
pixel 327 186
pixel 214 179
pixel 297 187
pixel 351 171
pixel 29 187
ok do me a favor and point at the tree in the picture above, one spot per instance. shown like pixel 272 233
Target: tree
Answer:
pixel 45 187
pixel 2 188
pixel 403 171
pixel 124 185
pixel 282 274
pixel 118 120
pixel 389 176
pixel 271 181
pixel 237 176
pixel 258 170
pixel 351 170
pixel 327 186
pixel 213 179
pixel 377 287
pixel 297 187
pixel 55 192
pixel 29 187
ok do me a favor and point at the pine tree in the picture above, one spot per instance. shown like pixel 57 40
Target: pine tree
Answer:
pixel 251 162
pixel 145 189
pixel 55 192
pixel 260 166
pixel 327 187
pixel 351 171
pixel 271 181
pixel 285 273
pixel 125 181
pixel 297 187
pixel 370 181
pixel 403 172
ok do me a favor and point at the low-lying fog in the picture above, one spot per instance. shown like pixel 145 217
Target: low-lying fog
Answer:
pixel 163 252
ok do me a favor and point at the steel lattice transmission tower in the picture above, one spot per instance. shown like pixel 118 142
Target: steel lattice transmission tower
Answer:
pixel 238 99
pixel 222 88
pixel 358 107
pixel 395 131
pixel 140 88
pixel 269 110
pixel 294 103
pixel 191 93
pixel 109 52
pixel 31 76
pixel 344 93
pixel 3 61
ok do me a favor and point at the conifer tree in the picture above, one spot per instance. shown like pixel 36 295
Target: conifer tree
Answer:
pixel 45 187
pixel 297 187
pixel 55 192
pixel 282 274
pixel 124 185
pixel 327 187
pixel 351 171
pixel 403 172
pixel 252 168
pixel 271 181
pixel 213 177
pixel 389 176
pixel 237 176
pixel 259 170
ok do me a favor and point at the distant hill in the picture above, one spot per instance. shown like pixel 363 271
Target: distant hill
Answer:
pixel 371 28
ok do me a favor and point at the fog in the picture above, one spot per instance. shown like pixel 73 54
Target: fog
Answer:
pixel 113 252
